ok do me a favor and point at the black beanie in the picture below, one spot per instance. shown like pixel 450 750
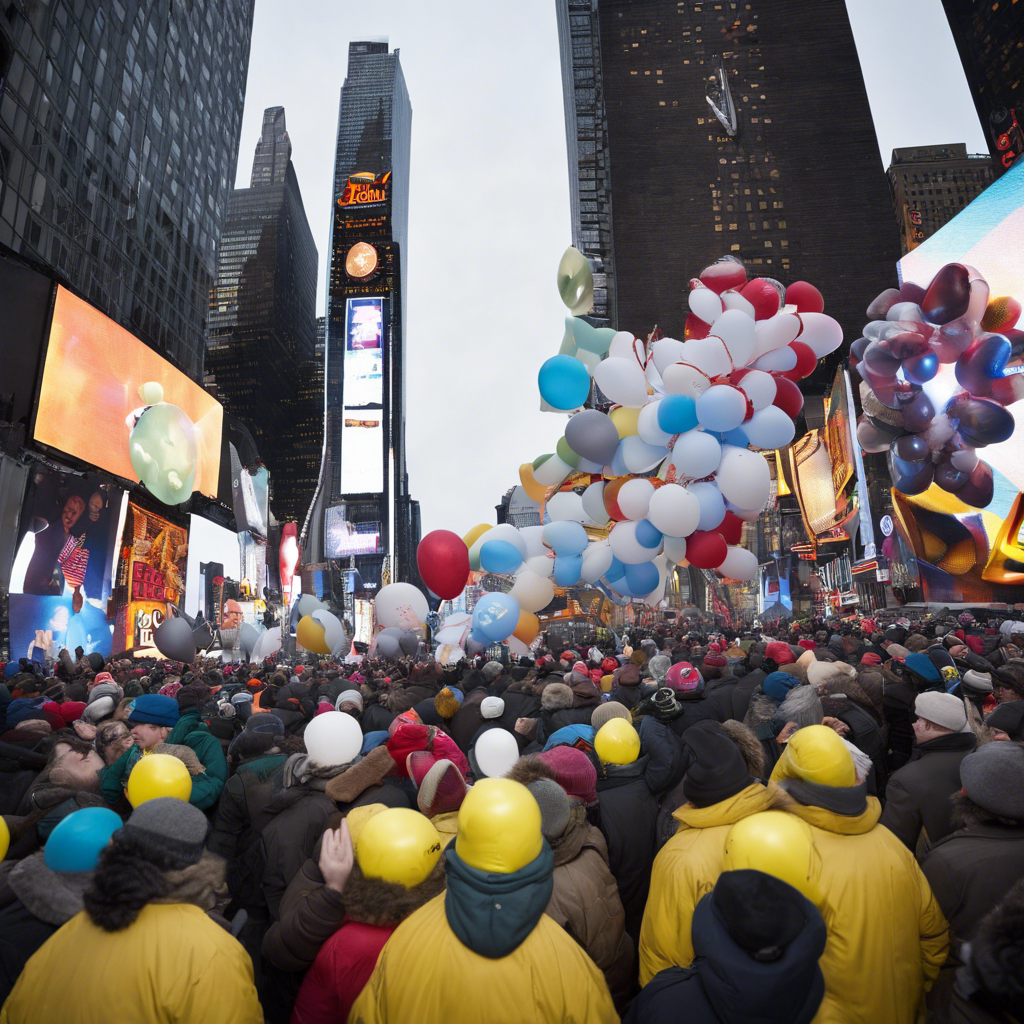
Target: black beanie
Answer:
pixel 718 770
pixel 1009 718
pixel 761 914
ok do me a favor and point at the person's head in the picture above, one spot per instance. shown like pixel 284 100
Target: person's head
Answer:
pixel 113 738
pixel 74 506
pixel 718 770
pixel 152 719
pixel 994 958
pixel 73 763
pixel 1008 684
pixel 1006 722
pixel 938 714
pixel 992 779
pixel 95 506
pixel 232 616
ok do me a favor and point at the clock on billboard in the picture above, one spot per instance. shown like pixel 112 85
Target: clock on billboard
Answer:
pixel 361 261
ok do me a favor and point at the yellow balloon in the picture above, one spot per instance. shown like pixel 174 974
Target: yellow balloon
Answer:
pixel 625 421
pixel 780 845
pixel 527 628
pixel 475 534
pixel 310 634
pixel 158 775
pixel 398 845
pixel 617 742
pixel 5 838
pixel 499 827
pixel 818 754
pixel 607 682
pixel 534 490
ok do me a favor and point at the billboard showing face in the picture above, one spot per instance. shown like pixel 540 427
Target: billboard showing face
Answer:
pixel 90 407
pixel 362 438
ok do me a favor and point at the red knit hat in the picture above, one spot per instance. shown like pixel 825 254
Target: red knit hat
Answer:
pixel 103 677
pixel 440 786
pixel 71 710
pixel 807 644
pixel 870 658
pixel 574 772
pixel 779 652
pixel 610 664
pixel 410 737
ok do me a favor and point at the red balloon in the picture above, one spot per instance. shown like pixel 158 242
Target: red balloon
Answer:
pixel 289 554
pixel 787 396
pixel 805 297
pixel 443 561
pixel 761 294
pixel 695 327
pixel 806 361
pixel 731 528
pixel 706 549
pixel 723 275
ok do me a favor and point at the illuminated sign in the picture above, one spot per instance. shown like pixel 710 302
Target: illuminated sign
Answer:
pixel 365 189
pixel 341 539
pixel 361 261
pixel 362 438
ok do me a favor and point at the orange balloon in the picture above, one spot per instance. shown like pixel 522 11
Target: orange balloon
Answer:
pixel 527 628
pixel 534 490
pixel 611 497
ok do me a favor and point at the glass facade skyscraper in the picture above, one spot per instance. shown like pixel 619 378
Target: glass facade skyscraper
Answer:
pixel 119 125
pixel 262 322
pixel 732 127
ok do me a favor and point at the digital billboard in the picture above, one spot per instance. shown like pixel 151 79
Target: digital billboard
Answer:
pixel 362 437
pixel 208 543
pixel 89 399
pixel 341 538
pixel 837 436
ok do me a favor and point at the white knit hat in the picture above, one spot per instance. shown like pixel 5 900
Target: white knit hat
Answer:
pixel 492 707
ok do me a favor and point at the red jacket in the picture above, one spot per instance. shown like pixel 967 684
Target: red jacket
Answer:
pixel 341 969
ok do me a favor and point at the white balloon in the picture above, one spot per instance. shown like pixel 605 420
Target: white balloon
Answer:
pixel 589 359
pixel 542 565
pixel 532 591
pixel 507 532
pixel 307 604
pixel 721 408
pixel 736 329
pixel 684 379
pixel 495 752
pixel 674 511
pixel 770 428
pixel 454 629
pixel 332 739
pixel 748 515
pixel 566 506
pixel 401 605
pixel 739 564
pixel 593 503
pixel 621 346
pixel 743 477
pixel 268 643
pixel 647 426
pixel 759 387
pixel 626 548
pixel 334 631
pixel 533 538
pixel 696 454
pixel 705 304
pixel 775 332
pixel 552 471
pixel 781 360
pixel 731 299
pixel 821 333
pixel 449 654
pixel 597 560
pixel 712 505
pixel 675 549
pixel 666 351
pixel 708 354
pixel 640 457
pixel 623 381
pixel 634 497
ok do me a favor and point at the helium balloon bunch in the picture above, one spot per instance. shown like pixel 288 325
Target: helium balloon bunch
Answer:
pixel 933 364
pixel 665 441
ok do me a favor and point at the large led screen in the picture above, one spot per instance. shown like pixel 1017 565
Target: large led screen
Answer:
pixel 341 538
pixel 209 544
pixel 89 400
pixel 362 437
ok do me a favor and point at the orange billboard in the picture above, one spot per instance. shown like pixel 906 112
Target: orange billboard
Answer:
pixel 90 404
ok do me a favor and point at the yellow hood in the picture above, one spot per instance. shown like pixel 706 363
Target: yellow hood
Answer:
pixel 747 801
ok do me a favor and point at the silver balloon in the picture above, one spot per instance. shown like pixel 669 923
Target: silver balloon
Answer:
pixel 575 282
pixel 408 643
pixel 592 435
pixel 248 634
pixel 173 639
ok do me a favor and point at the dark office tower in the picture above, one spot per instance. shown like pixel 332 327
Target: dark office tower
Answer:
pixel 931 184
pixel 364 502
pixel 119 124
pixel 990 37
pixel 736 128
pixel 262 321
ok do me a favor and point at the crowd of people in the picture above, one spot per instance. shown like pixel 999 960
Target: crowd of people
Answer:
pixel 819 821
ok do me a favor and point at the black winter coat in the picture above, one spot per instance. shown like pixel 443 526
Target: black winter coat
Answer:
pixel 695 709
pixel 742 692
pixel 898 707
pixel 918 795
pixel 865 735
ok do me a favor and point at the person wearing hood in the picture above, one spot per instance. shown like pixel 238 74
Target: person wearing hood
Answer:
pixel 757 940
pixel 562 705
pixel 1006 722
pixel 918 808
pixel 904 680
pixel 883 921
pixel 974 867
pixel 390 867
pixel 719 792
pixel 626 685
pixel 489 930
pixel 145 913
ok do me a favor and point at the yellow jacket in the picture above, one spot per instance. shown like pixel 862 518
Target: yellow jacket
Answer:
pixel 425 973
pixel 685 870
pixel 173 965
pixel 887 937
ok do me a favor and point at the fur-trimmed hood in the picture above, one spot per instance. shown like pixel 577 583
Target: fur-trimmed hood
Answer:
pixel 200 884
pixel 821 673
pixel 53 897
pixel 750 747
pixel 761 711
pixel 386 904
pixel 530 769
pixel 556 697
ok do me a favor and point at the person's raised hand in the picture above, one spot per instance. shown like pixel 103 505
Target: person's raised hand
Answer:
pixel 336 857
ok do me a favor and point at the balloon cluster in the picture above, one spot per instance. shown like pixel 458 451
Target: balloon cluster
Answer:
pixel 665 444
pixel 933 364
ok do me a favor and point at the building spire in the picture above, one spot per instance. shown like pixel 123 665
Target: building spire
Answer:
pixel 273 150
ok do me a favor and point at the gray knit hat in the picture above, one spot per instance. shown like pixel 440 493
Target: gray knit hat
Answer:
pixel 942 709
pixel 979 682
pixel 993 777
pixel 607 711
pixel 491 670
pixel 167 825
pixel 554 807
pixel 349 697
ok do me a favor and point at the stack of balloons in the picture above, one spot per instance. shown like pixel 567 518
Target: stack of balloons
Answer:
pixel 658 446
pixel 935 389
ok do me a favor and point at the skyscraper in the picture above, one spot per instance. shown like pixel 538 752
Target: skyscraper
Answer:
pixel 119 126
pixel 989 36
pixel 931 184
pixel 733 128
pixel 364 506
pixel 262 321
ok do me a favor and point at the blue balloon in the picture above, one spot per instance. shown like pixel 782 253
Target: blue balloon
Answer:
pixel 647 534
pixel 500 556
pixel 495 616
pixel 568 569
pixel 76 842
pixel 565 537
pixel 677 414
pixel 642 579
pixel 616 572
pixel 737 437
pixel 564 383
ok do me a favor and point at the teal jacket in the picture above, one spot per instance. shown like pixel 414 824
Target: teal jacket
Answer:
pixel 192 732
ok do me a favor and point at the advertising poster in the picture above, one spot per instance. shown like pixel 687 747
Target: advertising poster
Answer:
pixel 89 401
pixel 341 538
pixel 41 625
pixel 212 551
pixel 362 444
pixel 154 554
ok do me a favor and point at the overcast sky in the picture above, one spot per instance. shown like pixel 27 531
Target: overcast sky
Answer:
pixel 489 200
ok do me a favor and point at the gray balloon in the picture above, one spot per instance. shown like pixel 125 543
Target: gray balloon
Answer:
pixel 203 635
pixel 592 435
pixel 472 647
pixel 409 642
pixel 173 639
pixel 248 634
pixel 388 647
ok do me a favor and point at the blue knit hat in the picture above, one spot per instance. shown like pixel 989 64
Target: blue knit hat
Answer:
pixel 923 666
pixel 155 709
pixel 777 684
